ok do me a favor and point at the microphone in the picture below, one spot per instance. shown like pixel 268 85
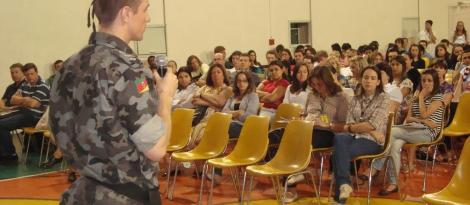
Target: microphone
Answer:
pixel 161 64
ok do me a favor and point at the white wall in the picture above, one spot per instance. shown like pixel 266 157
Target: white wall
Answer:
pixel 46 30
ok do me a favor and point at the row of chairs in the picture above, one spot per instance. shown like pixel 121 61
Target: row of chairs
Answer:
pixel 293 155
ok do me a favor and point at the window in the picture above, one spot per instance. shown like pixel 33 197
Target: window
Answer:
pixel 299 33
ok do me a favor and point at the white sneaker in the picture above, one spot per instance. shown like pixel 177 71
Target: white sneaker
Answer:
pixel 344 191
pixel 290 196
pixel 295 179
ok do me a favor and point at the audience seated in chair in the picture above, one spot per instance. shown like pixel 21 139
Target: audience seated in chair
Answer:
pixel 210 98
pixel 271 91
pixel 186 89
pixel 18 78
pixel 364 130
pixel 243 103
pixel 33 98
pixel 426 110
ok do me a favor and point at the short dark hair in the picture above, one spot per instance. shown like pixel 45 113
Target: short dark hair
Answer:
pixel 58 61
pixel 219 49
pixel 209 80
pixel 346 46
pixel 106 10
pixel 17 65
pixel 251 84
pixel 245 55
pixel 29 66
pixel 324 74
pixel 429 22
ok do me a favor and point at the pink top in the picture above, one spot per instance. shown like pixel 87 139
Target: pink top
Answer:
pixel 269 86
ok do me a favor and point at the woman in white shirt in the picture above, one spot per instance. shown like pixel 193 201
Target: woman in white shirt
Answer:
pixel 298 91
pixel 460 34
pixel 394 92
pixel 186 88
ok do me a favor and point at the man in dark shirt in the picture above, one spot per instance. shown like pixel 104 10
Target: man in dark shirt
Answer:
pixel 33 98
pixel 17 77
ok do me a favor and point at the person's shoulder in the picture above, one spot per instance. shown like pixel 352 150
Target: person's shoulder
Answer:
pixel 283 82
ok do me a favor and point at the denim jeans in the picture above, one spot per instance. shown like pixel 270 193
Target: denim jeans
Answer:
pixel 347 147
pixel 401 136
pixel 23 118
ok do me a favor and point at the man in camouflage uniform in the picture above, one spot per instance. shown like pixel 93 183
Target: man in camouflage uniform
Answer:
pixel 105 115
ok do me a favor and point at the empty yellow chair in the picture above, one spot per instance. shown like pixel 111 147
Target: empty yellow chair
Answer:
pixel 460 125
pixel 291 159
pixel 212 144
pixel 285 111
pixel 251 148
pixel 457 191
pixel 181 119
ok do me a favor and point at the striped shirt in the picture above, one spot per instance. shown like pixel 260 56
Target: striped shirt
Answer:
pixel 39 92
pixel 435 117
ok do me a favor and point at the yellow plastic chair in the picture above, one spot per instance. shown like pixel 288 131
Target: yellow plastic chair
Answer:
pixel 181 119
pixel 251 148
pixel 456 192
pixel 212 144
pixel 383 155
pixel 291 159
pixel 284 113
pixel 29 131
pixel 426 62
pixel 322 152
pixel 460 125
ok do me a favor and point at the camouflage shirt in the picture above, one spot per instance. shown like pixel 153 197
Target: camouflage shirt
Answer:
pixel 103 114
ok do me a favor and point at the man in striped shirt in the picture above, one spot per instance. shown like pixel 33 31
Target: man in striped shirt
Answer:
pixel 32 98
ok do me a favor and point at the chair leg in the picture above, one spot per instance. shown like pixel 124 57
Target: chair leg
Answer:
pixel 209 199
pixel 426 169
pixel 204 168
pixel 27 149
pixel 170 193
pixel 234 181
pixel 317 191
pixel 250 188
pixel 321 174
pixel 331 185
pixel 40 153
pixel 243 188
pixel 369 183
pixel 168 175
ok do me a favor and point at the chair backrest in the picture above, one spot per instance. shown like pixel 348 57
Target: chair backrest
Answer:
pixel 215 137
pixel 388 134
pixel 462 116
pixel 295 147
pixel 285 111
pixel 458 184
pixel 253 141
pixel 181 119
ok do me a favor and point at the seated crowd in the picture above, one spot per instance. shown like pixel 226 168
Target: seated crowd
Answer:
pixel 347 94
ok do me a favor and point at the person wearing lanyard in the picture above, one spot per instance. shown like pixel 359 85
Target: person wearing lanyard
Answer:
pixel 327 106
pixel 364 132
